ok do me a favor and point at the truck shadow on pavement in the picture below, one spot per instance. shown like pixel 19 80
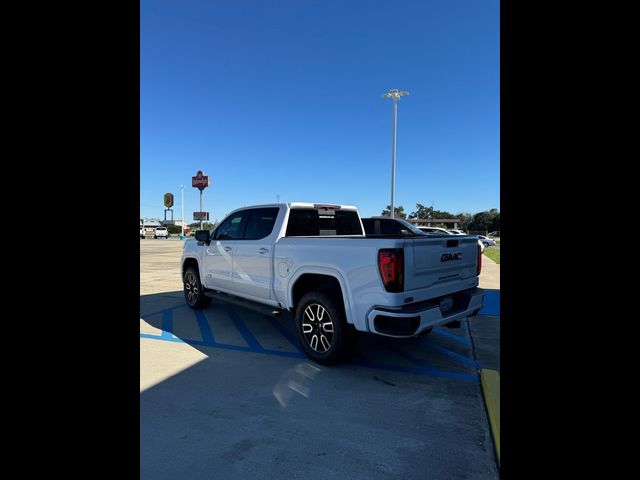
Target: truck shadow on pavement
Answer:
pixel 250 404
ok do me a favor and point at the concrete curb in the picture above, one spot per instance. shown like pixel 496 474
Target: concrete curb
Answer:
pixel 491 388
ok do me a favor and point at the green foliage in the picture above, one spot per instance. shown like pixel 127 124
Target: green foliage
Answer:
pixel 425 213
pixel 493 253
pixel 465 220
pixel 487 221
pixel 399 212
pixel 421 212
pixel 174 229
pixel 495 222
pixel 205 226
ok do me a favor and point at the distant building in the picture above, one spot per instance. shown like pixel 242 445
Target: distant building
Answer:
pixel 177 223
pixel 151 222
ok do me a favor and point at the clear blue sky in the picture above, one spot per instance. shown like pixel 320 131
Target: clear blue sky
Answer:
pixel 284 98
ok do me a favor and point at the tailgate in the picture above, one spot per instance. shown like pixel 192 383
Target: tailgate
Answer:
pixel 439 260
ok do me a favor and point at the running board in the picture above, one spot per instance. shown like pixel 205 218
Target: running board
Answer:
pixel 241 302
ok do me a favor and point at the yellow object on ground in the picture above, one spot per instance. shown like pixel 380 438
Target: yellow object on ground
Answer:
pixel 491 387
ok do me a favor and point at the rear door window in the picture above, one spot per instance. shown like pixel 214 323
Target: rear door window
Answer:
pixel 369 225
pixel 261 222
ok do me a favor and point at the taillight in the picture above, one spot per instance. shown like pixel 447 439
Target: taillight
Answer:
pixel 391 266
pixel 479 260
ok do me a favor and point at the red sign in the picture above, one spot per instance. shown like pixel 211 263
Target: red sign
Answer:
pixel 200 181
pixel 201 216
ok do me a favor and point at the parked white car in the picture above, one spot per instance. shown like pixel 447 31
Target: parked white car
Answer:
pixel 450 232
pixel 142 234
pixel 435 230
pixel 161 232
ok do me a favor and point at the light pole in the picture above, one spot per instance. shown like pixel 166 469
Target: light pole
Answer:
pixel 182 208
pixel 395 94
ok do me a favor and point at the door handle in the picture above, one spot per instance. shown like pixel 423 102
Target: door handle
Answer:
pixel 263 250
pixel 228 249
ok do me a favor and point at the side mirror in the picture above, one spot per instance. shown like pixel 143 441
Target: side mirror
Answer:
pixel 203 236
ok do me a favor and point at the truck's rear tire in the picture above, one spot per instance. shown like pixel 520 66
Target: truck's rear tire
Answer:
pixel 322 329
pixel 193 290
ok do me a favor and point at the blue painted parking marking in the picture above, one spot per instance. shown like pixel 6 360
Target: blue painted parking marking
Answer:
pixel 167 325
pixel 423 371
pixel 244 331
pixel 456 356
pixel 205 330
pixel 422 367
pixel 491 302
pixel 429 370
pixel 444 333
pixel 283 331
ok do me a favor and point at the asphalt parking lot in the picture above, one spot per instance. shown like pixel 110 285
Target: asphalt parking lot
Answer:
pixel 226 393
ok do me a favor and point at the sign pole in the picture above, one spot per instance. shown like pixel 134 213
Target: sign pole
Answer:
pixel 200 181
pixel 182 214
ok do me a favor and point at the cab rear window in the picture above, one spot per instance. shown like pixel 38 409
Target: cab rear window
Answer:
pixel 310 222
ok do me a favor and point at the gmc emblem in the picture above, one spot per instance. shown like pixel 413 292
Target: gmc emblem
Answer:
pixel 446 257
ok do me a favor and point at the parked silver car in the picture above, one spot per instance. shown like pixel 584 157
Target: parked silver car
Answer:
pixel 488 242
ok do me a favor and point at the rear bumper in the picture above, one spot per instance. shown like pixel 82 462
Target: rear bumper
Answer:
pixel 411 320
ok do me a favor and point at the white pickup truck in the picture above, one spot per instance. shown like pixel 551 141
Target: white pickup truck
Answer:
pixel 316 261
pixel 161 232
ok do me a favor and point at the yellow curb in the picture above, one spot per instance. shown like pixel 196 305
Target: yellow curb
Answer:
pixel 491 387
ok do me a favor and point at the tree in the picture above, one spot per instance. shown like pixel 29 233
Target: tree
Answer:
pixel 443 214
pixel 196 226
pixel 494 225
pixel 480 221
pixel 399 212
pixel 421 212
pixel 426 213
pixel 465 220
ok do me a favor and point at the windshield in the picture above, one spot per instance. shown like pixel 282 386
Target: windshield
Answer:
pixel 411 227
pixel 432 230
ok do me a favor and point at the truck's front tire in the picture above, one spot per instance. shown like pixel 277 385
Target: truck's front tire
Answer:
pixel 193 290
pixel 322 329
